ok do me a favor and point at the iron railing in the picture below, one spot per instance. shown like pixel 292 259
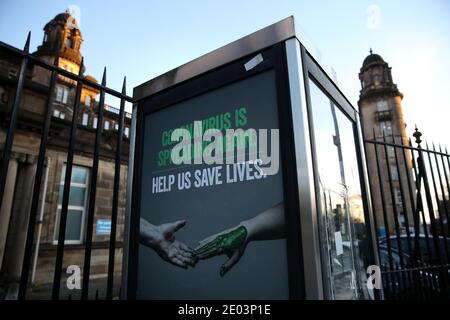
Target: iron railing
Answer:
pixel 411 214
pixel 25 58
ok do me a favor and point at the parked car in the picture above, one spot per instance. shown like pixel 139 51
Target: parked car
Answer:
pixel 426 254
pixel 422 270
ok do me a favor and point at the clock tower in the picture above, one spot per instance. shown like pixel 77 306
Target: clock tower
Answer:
pixel 380 107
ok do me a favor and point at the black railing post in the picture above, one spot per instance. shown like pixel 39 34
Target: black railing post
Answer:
pixel 389 288
pixel 448 162
pixel 437 202
pixel 7 147
pixel 447 196
pixel 444 198
pixel 423 173
pixel 66 192
pixel 383 204
pixel 416 218
pixel 419 203
pixel 112 243
pixel 394 204
pixel 403 198
pixel 37 183
pixel 93 193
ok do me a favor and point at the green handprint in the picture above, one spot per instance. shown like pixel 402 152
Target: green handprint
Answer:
pixel 224 243
pixel 230 243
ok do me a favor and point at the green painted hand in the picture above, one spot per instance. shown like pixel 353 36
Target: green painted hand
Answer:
pixel 231 242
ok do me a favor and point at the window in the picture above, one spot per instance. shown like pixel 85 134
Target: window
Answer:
pixel 87 100
pixel 382 105
pixel 341 207
pixel 85 119
pixel 12 74
pixel 116 126
pixel 77 204
pixel 106 127
pixel 394 172
pixel 68 42
pixel 94 122
pixel 59 114
pixel 386 127
pixel 65 95
pixel 59 93
pixel 391 152
pixel 398 197
pixel 62 94
pixel 127 132
pixel 45 37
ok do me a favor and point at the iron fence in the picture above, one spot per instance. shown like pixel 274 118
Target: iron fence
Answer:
pixel 26 59
pixel 410 194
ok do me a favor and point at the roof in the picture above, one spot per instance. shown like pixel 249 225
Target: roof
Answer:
pixel 372 58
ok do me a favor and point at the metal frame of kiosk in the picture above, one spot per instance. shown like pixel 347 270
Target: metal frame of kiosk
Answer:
pixel 283 51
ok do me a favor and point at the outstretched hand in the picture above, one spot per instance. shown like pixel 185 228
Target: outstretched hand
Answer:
pixel 231 242
pixel 162 239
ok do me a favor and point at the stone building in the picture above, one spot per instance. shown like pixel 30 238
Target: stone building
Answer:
pixel 380 105
pixel 62 35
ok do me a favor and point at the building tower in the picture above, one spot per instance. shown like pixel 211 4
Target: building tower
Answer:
pixel 61 34
pixel 380 106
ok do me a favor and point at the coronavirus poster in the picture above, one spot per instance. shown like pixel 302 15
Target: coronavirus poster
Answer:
pixel 213 229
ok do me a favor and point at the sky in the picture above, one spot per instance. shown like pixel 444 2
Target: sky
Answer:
pixel 143 39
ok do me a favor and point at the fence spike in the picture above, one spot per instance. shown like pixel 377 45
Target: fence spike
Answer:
pixel 26 48
pixel 80 72
pixel 104 77
pixel 124 86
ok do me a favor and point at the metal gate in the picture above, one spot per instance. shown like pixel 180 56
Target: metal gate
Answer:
pixel 18 84
pixel 410 194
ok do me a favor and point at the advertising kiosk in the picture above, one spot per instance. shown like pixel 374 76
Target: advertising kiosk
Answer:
pixel 247 179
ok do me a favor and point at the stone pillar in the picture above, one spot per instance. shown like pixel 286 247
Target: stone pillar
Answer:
pixel 17 233
pixel 5 212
